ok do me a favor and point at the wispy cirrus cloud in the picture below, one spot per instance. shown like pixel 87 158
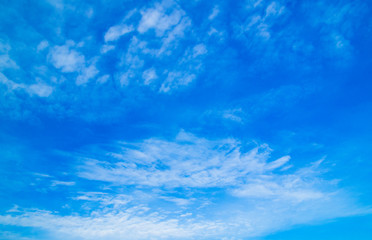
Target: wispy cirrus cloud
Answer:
pixel 158 163
pixel 200 163
pixel 145 195
pixel 115 32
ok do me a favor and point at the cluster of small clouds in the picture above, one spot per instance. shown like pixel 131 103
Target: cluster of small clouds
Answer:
pixel 154 34
pixel 270 29
pixel 255 28
pixel 163 47
pixel 163 26
pixel 69 60
pixel 39 88
pixel 166 23
pixel 259 24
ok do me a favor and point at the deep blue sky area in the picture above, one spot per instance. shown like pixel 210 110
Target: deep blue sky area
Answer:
pixel 178 119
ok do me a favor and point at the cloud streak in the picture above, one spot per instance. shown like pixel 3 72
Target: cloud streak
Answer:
pixel 264 196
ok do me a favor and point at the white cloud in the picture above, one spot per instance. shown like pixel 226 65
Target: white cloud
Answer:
pixel 186 162
pixel 186 70
pixel 69 60
pixel 9 83
pixel 244 219
pixel 115 32
pixel 262 15
pixel 278 163
pixel 253 3
pixel 149 75
pixel 61 183
pixel 178 201
pixel 159 19
pixel 292 187
pixel 5 60
pixel 106 48
pixel 129 224
pixel 59 4
pixel 199 49
pixel 42 45
pixel 86 74
pixel 169 23
pixel 124 78
pixel 132 59
pixel 233 115
pixel 177 184
pixel 274 9
pixel 40 89
pixel 12 236
pixel 103 79
pixel 43 175
pixel 176 80
pixel 170 40
pixel 267 31
pixel 66 58
pixel 214 14
pixel 104 199
pixel 132 62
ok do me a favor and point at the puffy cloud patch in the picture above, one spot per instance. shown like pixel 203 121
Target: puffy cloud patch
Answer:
pixel 158 19
pixel 66 58
pixel 40 89
pixel 69 60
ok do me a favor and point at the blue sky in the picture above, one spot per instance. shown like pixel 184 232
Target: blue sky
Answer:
pixel 185 119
